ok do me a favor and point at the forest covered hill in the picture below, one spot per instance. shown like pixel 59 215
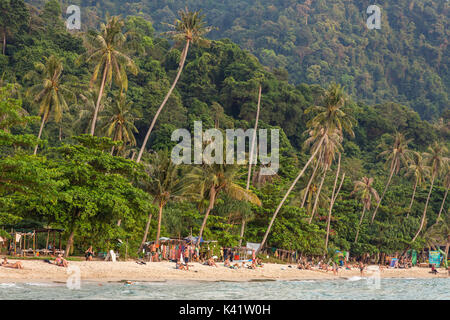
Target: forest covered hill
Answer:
pixel 320 41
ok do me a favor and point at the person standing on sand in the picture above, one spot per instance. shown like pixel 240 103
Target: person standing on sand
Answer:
pixel 186 256
pixel 361 268
pixel 89 254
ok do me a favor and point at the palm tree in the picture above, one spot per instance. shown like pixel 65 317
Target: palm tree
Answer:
pixel 329 123
pixel 212 179
pixel 438 234
pixel 437 161
pixel 334 195
pixel 397 156
pixel 189 28
pixel 252 150
pixel 49 93
pixel 85 109
pixel 446 186
pixel 120 123
pixel 330 146
pixel 366 190
pixel 107 50
pixel 165 185
pixel 308 186
pixel 420 171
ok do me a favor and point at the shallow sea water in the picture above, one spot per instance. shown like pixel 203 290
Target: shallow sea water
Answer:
pixel 343 289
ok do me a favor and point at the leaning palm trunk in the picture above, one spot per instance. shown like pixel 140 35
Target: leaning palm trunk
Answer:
pixel 287 194
pixel 212 199
pixel 333 197
pixel 382 196
pixel 147 227
pixel 412 198
pixel 422 222
pixel 309 184
pixel 40 133
pixel 252 149
pixel 316 202
pixel 99 99
pixel 360 222
pixel 161 205
pixel 182 61
pixel 443 203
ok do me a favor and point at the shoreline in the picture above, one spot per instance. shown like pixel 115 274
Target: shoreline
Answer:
pixel 101 271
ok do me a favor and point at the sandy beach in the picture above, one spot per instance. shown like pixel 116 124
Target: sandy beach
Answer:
pixel 35 270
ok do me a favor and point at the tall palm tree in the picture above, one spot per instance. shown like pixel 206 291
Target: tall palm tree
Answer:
pixel 437 160
pixel 190 28
pixel 420 171
pixel 85 109
pixel 334 195
pixel 330 121
pixel 446 186
pixel 107 50
pixel 397 156
pixel 165 185
pixel 366 191
pixel 330 146
pixel 252 150
pixel 308 186
pixel 120 122
pixel 212 179
pixel 50 93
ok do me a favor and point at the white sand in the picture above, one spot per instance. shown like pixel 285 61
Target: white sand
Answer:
pixel 35 270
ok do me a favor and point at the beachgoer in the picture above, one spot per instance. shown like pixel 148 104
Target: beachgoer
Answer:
pixel 89 254
pixel 361 268
pixel 16 265
pixel 227 263
pixel 433 269
pixel 61 262
pixel 186 256
pixel 212 263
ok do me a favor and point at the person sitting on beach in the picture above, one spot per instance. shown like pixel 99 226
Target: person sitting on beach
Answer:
pixel 180 266
pixel 6 264
pixel 253 265
pixel 433 269
pixel 89 254
pixel 227 263
pixel 61 262
pixel 212 263
pixel 259 262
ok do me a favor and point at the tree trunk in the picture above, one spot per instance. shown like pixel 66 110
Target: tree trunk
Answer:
pixel 287 194
pixel 99 99
pixel 382 196
pixel 158 232
pixel 332 202
pixel 309 184
pixel 340 186
pixel 412 198
pixel 443 203
pixel 360 222
pixel 4 42
pixel 69 243
pixel 39 134
pixel 425 210
pixel 147 227
pixel 183 60
pixel 316 202
pixel 242 232
pixel 252 149
pixel 212 199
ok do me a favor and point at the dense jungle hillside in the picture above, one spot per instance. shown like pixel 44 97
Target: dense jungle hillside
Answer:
pixel 320 41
